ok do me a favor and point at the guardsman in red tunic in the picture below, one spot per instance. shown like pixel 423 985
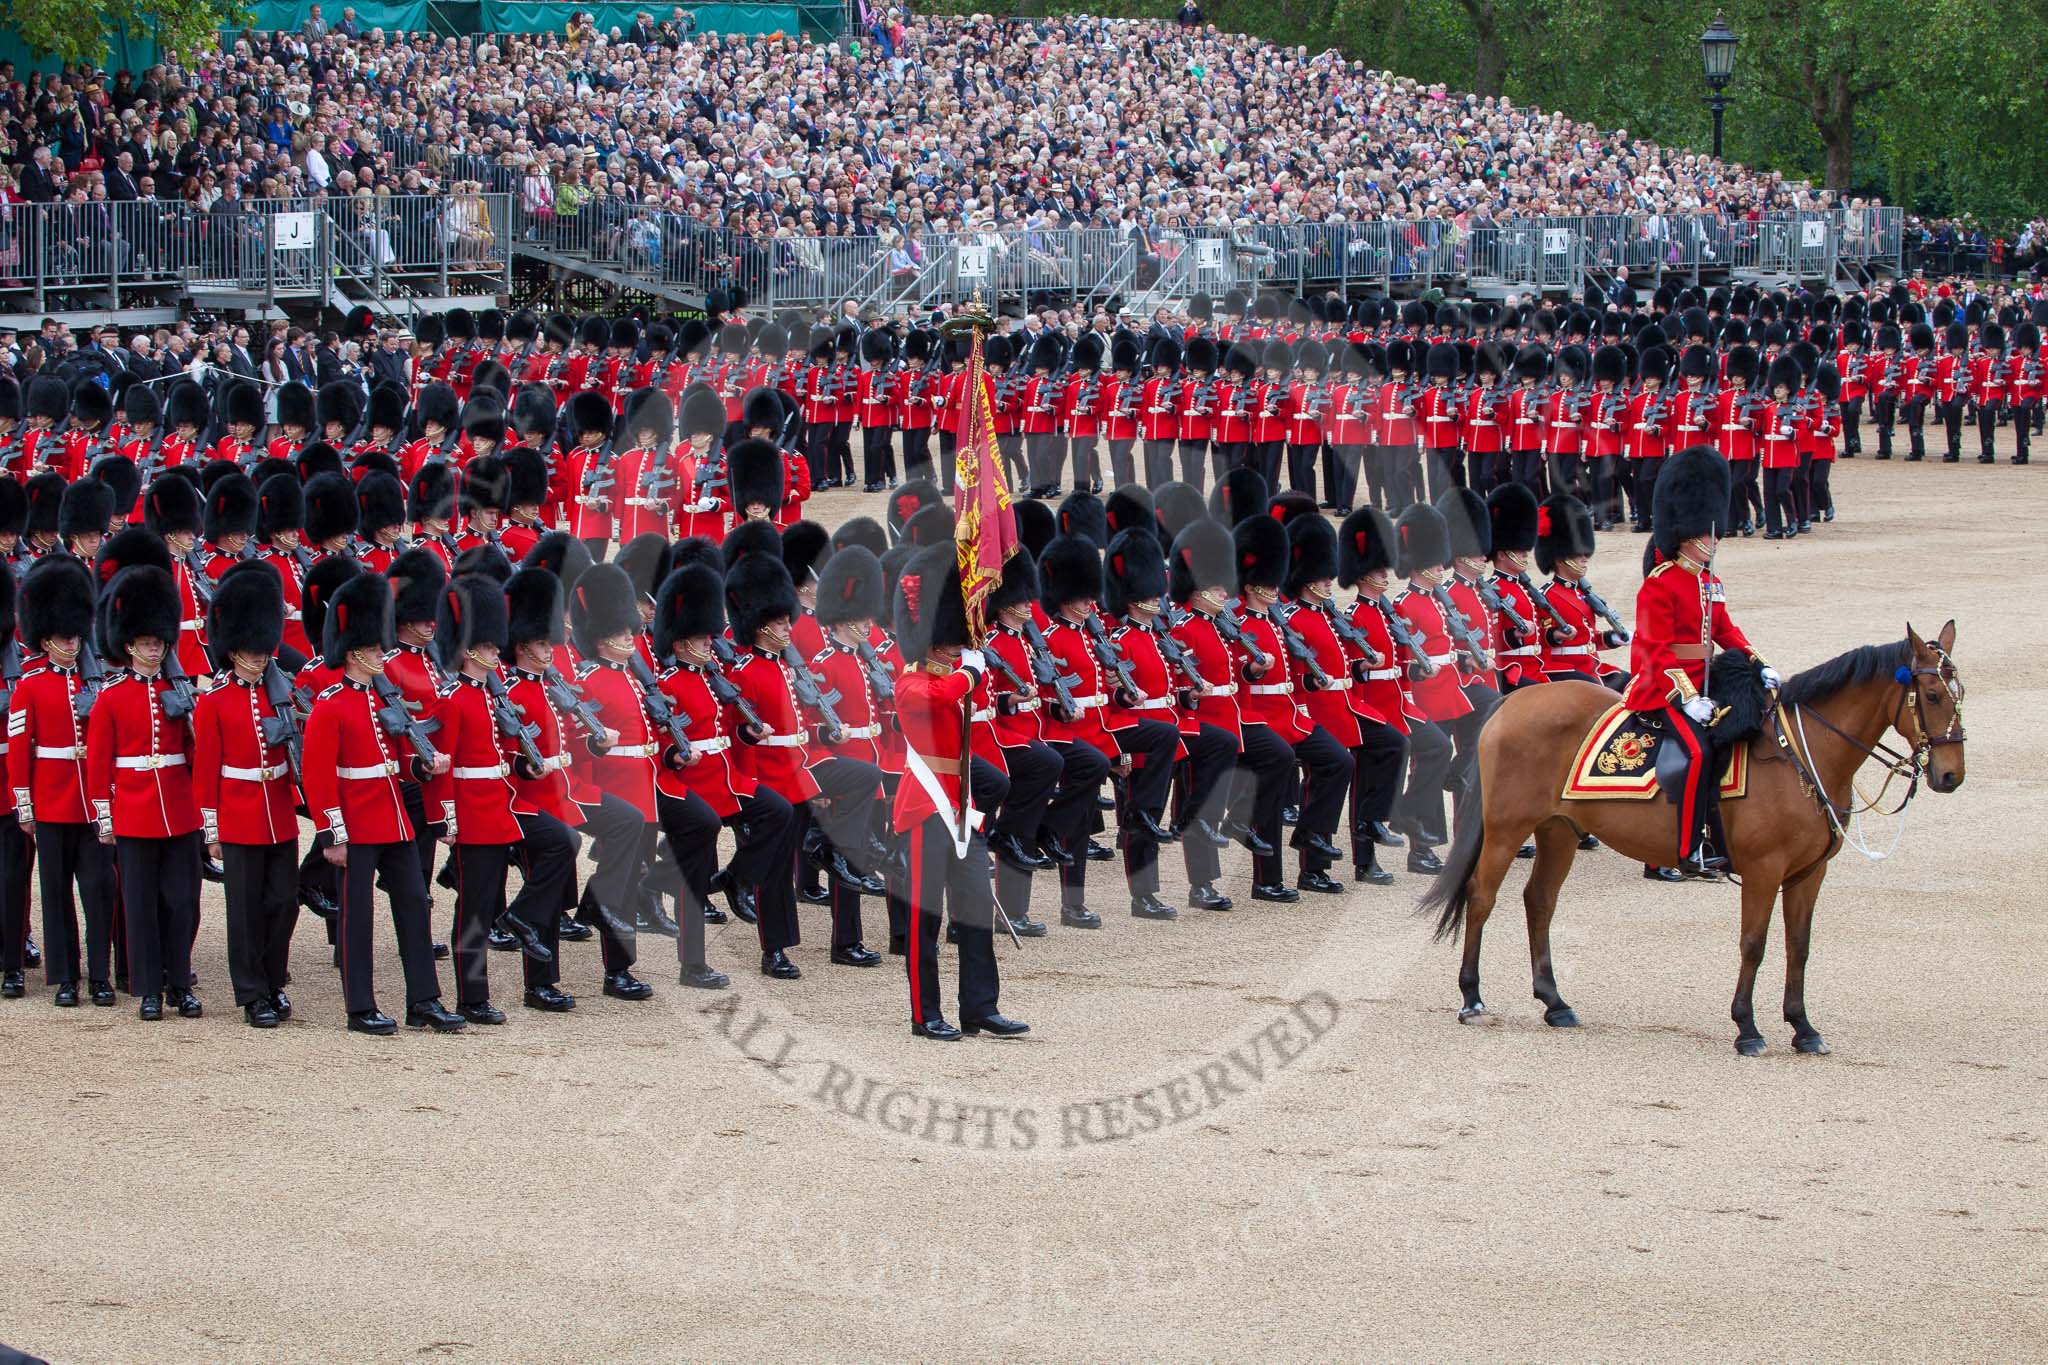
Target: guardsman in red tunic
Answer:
pixel 1117 402
pixel 1817 444
pixel 414 669
pixel 1274 714
pixel 480 730
pixel 875 410
pixel 604 625
pixel 238 416
pixel 848 596
pixel 138 778
pixel 585 468
pixel 1987 387
pixel 1643 436
pixel 1012 740
pixel 1201 570
pixel 1348 425
pixel 1778 427
pixel 1471 622
pixel 1365 562
pixel 46 743
pixel 1853 365
pixel 698 792
pixel 1423 549
pixel 1950 384
pixel 1143 709
pixel 1078 725
pixel 1080 412
pixel 1567 413
pixel 1732 418
pixel 526 490
pixel 648 483
pixel 1522 419
pixel 1482 418
pixel 90 434
pixel 1510 598
pixel 243 781
pixel 1271 411
pixel 1606 431
pixel 1681 616
pixel 1333 694
pixel 47 402
pixel 2025 385
pixel 1039 418
pixel 1916 388
pixel 1198 407
pixel 1436 416
pixel 1572 637
pixel 16 944
pixel 1308 406
pixel 280 519
pixel 294 425
pixel 832 797
pixel 352 769
pixel 936 805
pixel 1883 377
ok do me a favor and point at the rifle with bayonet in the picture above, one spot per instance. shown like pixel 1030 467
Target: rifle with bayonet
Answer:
pixel 1045 668
pixel 282 727
pixel 1318 681
pixel 1463 630
pixel 522 732
pixel 804 684
pixel 394 713
pixel 655 702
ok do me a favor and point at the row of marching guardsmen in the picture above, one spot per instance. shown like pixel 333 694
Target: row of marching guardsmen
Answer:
pixel 1194 652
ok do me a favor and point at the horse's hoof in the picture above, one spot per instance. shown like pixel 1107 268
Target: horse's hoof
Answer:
pixel 1562 1016
pixel 1473 1012
pixel 1813 1043
pixel 1750 1047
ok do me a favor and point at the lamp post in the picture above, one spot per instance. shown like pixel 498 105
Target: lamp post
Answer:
pixel 1717 58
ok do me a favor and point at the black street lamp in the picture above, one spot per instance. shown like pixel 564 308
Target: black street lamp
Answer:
pixel 1717 56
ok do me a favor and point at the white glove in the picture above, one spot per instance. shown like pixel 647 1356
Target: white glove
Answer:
pixel 1770 677
pixel 972 658
pixel 1700 709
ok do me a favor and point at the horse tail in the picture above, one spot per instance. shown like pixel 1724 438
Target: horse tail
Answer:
pixel 1448 894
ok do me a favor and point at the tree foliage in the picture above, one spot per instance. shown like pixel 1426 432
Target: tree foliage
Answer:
pixel 1937 105
pixel 77 30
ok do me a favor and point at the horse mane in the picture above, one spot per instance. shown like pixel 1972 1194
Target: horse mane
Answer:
pixel 1859 665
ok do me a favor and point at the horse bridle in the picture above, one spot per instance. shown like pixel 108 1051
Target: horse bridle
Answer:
pixel 1906 766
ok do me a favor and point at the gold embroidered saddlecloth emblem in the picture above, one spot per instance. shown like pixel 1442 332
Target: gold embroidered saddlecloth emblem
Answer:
pixel 1618 762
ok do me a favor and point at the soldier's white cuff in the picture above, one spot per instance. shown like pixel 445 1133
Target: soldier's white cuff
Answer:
pixel 24 808
pixel 105 811
pixel 335 828
pixel 210 822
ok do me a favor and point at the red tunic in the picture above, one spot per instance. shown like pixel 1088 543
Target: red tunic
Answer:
pixel 1271 699
pixel 1681 614
pixel 929 707
pixel 1334 708
pixel 1022 720
pixel 781 759
pixel 1438 697
pixel 1215 660
pixel 627 769
pixel 715 774
pixel 138 764
pixel 478 782
pixel 1577 652
pixel 552 793
pixel 243 785
pixel 353 770
pixel 46 747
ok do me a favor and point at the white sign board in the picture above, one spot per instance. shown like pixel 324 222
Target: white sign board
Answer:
pixel 1557 241
pixel 973 262
pixel 292 231
pixel 1209 253
pixel 1813 235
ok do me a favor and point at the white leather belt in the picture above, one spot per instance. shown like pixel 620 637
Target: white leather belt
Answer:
pixel 1028 704
pixel 149 762
pixel 1441 660
pixel 717 744
pixel 480 774
pixel 191 625
pixel 1382 674
pixel 1221 689
pixel 1151 704
pixel 1573 649
pixel 860 731
pixel 794 741
pixel 1520 652
pixel 295 616
pixel 1270 689
pixel 50 751
pixel 1735 426
pixel 556 762
pixel 986 713
pixel 1090 703
pixel 388 768
pixel 254 774
pixel 633 751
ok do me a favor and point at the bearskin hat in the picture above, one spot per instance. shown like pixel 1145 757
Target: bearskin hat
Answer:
pixel 1422 540
pixel 1609 365
pixel 624 335
pixel 13 508
pixel 648 410
pixel 588 411
pixel 906 502
pixel 10 397
pixel 860 531
pixel 1260 544
pixel 48 397
pixel 119 474
pixel 1123 354
pixel 1365 545
pixel 280 506
pixel 380 500
pixel 417 577
pixel 295 407
pixel 760 410
pixel 1017 586
pixel 1175 506
pixel 387 408
pixel 483 417
pixel 482 486
pixel 1742 364
pixel 436 404
pixel 54 601
pixel 231 508
pixel 489 380
pixel 140 601
pixel 44 494
pixel 702 414
pixel 690 602
pixel 1311 554
pixel 1035 526
pixel 593 331
pixel 471 612
pixel 1241 493
pixel 1130 508
pixel 698 550
pixel 338 404
pixel 754 469
pixel 1511 509
pixel 646 560
pixel 91 405
pixel 1277 355
pixel 562 555
pixel 331 505
pixel 85 509
pixel 433 492
pixel 320 458
pixel 358 616
pixel 850 587
pixel 930 611
pixel 1290 506
pixel 238 402
pixel 1469 522
pixel 533 608
pixel 1203 556
pixel 431 329
pixel 1784 371
pixel 1564 530
pixel 751 539
pixel 1691 498
pixel 140 405
pixel 319 587
pixel 757 590
pixel 1133 569
pixel 1070 569
pixel 485 558
pixel 246 615
pixel 526 478
pixel 805 547
pixel 184 406
pixel 1827 381
pixel 533 414
pixel 1082 514
pixel 931 526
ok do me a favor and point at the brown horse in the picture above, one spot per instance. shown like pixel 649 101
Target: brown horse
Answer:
pixel 1828 721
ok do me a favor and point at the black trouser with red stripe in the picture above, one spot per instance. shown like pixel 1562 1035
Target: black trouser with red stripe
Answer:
pixel 159 897
pixel 1205 790
pixel 1265 762
pixel 1082 768
pixel 1150 744
pixel 917 452
pixel 1034 773
pixel 479 900
pixel 1376 762
pixel 1340 473
pixel 624 841
pixel 261 885
pixel 396 867
pixel 842 809
pixel 1326 774
pixel 68 854
pixel 13 893
pixel 547 860
pixel 1430 752
pixel 691 827
pixel 942 883
pixel 877 458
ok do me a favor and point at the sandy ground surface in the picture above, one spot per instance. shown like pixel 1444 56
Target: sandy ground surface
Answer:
pixel 1259 1131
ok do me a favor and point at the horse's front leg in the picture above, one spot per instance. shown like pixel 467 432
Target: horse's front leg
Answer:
pixel 1759 892
pixel 1800 898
